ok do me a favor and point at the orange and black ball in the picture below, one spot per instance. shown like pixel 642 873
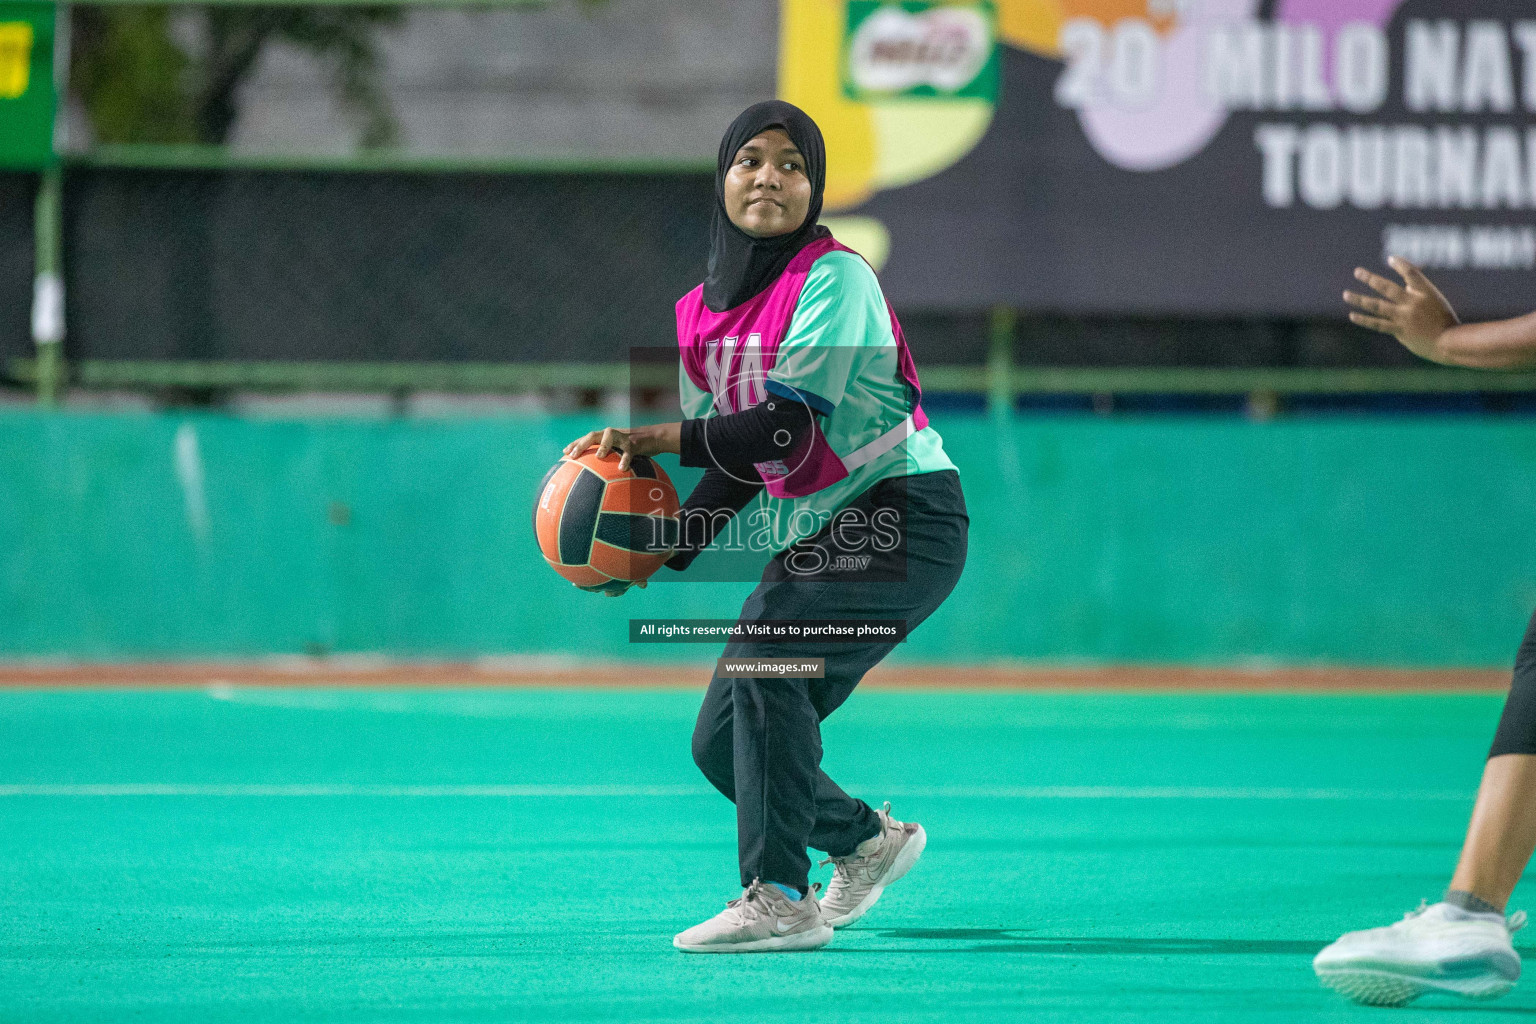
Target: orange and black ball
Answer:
pixel 603 528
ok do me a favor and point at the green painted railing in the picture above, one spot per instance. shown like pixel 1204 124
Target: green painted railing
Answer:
pixel 996 379
pixel 321 376
pixel 193 157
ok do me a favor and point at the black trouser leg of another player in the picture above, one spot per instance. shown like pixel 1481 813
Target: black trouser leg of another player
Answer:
pixel 758 741
pixel 1517 725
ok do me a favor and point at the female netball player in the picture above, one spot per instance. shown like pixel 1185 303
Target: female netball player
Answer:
pixel 1462 944
pixel 798 382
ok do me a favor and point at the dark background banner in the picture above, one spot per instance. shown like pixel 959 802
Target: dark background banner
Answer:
pixel 1038 217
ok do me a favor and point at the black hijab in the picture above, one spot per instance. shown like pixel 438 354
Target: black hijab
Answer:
pixel 741 266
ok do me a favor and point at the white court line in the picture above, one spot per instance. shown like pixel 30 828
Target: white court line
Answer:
pixel 1172 793
pixel 330 790
pixel 955 792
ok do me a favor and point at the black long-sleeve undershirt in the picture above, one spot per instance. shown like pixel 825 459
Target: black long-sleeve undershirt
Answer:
pixel 727 446
pixel 769 430
pixel 700 518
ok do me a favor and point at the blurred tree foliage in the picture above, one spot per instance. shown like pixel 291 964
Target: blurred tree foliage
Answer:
pixel 164 74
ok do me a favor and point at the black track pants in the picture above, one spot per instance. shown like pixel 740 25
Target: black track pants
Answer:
pixel 1517 725
pixel 758 741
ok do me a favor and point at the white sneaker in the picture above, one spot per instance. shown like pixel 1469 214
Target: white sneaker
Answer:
pixel 761 920
pixel 1439 948
pixel 859 878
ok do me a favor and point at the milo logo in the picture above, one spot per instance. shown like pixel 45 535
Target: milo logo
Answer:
pixel 919 49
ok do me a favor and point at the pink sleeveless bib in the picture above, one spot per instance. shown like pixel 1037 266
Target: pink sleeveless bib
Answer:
pixel 729 355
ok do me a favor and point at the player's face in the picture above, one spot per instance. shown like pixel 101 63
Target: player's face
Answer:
pixel 767 191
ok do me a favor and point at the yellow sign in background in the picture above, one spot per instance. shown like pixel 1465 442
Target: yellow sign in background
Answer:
pixel 15 58
pixel 27 94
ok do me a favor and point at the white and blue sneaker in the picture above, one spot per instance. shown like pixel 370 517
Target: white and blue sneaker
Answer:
pixel 859 878
pixel 761 920
pixel 1437 948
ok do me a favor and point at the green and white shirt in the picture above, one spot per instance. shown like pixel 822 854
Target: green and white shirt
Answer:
pixel 839 356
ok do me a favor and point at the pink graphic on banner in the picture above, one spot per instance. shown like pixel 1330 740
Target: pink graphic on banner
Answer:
pixel 1183 117
pixel 1332 15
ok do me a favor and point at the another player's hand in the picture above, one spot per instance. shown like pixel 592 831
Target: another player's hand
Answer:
pixel 647 441
pixel 1414 312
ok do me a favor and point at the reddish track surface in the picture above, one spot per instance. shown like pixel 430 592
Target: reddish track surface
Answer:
pixel 535 673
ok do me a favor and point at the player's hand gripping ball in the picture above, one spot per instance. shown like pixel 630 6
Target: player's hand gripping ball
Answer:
pixel 603 528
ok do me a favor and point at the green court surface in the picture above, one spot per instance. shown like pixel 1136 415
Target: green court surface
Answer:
pixel 409 855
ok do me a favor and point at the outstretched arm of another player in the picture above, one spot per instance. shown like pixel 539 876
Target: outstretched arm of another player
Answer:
pixel 1418 315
